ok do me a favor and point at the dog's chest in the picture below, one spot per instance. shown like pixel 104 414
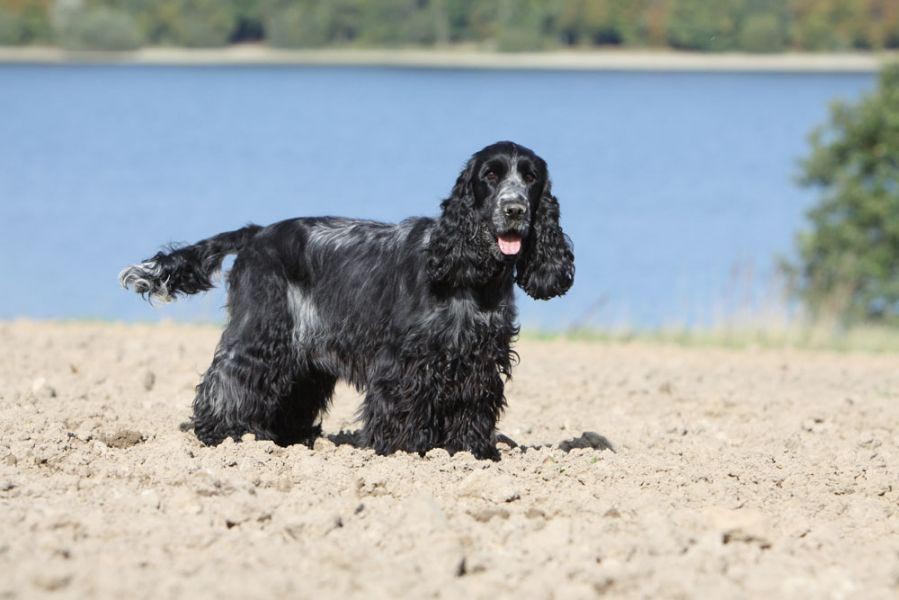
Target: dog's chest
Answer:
pixel 462 321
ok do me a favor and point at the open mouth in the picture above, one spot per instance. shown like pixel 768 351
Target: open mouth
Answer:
pixel 509 243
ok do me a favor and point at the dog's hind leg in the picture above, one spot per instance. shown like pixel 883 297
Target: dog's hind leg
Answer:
pixel 262 379
pixel 254 371
pixel 244 389
pixel 258 389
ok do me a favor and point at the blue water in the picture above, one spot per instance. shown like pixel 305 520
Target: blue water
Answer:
pixel 677 189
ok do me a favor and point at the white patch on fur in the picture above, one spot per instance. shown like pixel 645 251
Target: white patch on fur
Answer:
pixel 401 232
pixel 514 176
pixel 306 322
pixel 334 235
pixel 340 233
pixel 223 395
pixel 144 278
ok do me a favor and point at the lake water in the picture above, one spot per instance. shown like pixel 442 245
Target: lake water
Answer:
pixel 677 188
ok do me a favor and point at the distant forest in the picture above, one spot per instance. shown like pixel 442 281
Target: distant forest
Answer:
pixel 504 25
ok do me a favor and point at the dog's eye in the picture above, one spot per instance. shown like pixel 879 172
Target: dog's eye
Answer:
pixel 530 177
pixel 491 176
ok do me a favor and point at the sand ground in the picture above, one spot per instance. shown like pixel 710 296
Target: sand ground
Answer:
pixel 736 473
pixel 466 58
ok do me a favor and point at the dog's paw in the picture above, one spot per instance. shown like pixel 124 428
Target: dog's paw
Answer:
pixel 486 453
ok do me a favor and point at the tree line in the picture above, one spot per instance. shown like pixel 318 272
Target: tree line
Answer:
pixel 505 25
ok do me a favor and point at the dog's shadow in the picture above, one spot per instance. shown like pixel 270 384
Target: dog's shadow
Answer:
pixel 588 439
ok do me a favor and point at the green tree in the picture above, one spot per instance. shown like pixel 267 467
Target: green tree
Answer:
pixel 601 22
pixel 848 262
pixel 835 24
pixel 402 23
pixel 702 25
pixel 523 25
pixel 310 24
pixel 97 28
pixel 764 25
pixel 24 22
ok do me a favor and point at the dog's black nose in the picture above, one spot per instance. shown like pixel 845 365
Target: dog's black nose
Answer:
pixel 514 211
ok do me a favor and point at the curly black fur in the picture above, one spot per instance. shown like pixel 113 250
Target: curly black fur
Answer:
pixel 420 315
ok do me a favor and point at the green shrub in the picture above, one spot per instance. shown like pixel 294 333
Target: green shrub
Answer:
pixel 762 33
pixel 98 29
pixel 26 25
pixel 400 23
pixel 311 24
pixel 702 25
pixel 198 32
pixel 204 23
pixel 297 27
pixel 523 25
pixel 519 39
pixel 848 262
pixel 11 28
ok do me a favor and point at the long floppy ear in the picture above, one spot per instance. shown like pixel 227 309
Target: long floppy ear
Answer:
pixel 456 254
pixel 546 267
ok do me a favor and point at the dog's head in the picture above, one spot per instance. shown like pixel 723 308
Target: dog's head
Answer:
pixel 502 213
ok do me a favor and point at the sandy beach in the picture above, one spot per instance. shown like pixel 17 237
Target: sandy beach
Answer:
pixel 464 58
pixel 735 473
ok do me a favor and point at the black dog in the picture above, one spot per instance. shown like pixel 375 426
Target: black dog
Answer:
pixel 420 315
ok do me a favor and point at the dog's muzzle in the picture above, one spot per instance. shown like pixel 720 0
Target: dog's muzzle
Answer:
pixel 512 209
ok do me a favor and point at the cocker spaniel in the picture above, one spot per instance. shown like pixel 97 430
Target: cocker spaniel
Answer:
pixel 420 316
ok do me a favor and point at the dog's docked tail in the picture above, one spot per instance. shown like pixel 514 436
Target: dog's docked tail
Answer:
pixel 185 270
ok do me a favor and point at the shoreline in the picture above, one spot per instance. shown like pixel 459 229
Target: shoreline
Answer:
pixel 748 337
pixel 596 60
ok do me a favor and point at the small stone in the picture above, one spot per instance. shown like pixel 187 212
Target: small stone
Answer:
pixel 124 438
pixel 52 582
pixel 485 514
pixel 376 487
pixel 461 568
pixel 323 445
pixel 535 513
pixel 437 454
pixel 248 437
pixel 815 425
pixel 510 495
pixel 10 459
pixel 150 499
pixel 42 389
pixel 149 380
pixel 740 526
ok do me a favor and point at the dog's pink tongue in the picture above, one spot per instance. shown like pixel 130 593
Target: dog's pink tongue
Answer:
pixel 509 244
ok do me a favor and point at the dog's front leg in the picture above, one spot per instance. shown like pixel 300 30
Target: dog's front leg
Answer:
pixel 396 416
pixel 471 426
pixel 472 429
